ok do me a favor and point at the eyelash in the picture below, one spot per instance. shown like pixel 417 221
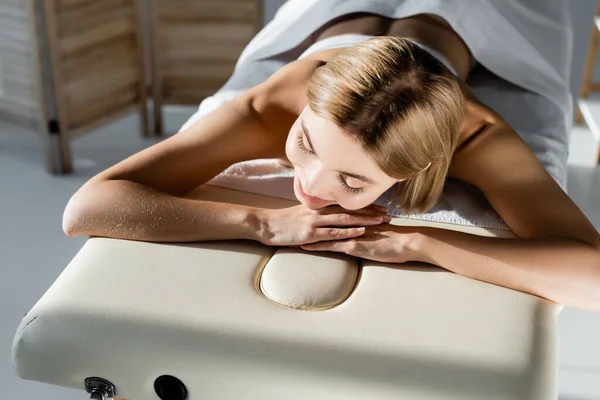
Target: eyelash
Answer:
pixel 303 147
pixel 350 189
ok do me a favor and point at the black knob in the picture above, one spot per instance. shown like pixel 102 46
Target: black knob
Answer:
pixel 168 387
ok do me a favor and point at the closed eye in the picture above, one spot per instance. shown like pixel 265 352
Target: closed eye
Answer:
pixel 349 188
pixel 303 148
pixel 341 178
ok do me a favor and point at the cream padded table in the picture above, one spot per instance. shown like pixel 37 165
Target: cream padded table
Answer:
pixel 228 320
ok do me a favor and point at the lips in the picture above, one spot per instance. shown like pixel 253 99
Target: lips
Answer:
pixel 307 197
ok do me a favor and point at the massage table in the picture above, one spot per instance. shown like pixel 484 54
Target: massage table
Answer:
pixel 237 319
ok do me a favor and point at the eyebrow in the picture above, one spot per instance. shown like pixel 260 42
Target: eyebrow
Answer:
pixel 350 174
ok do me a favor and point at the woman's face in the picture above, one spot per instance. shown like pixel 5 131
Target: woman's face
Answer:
pixel 331 167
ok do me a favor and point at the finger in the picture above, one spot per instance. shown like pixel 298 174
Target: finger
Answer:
pixel 340 246
pixel 341 220
pixel 318 246
pixel 368 211
pixel 328 234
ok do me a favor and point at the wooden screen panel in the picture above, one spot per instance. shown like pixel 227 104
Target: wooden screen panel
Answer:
pixel 195 45
pixel 97 61
pixel 19 66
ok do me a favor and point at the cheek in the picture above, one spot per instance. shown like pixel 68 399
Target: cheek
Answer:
pixel 357 201
pixel 351 201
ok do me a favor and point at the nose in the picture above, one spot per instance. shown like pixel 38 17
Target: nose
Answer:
pixel 313 183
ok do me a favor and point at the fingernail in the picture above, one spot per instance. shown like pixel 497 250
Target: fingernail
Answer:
pixel 360 230
pixel 387 218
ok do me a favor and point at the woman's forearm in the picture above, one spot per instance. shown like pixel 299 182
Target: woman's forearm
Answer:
pixel 561 270
pixel 128 210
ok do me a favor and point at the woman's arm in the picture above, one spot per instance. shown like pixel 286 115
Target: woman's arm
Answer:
pixel 129 210
pixel 563 270
pixel 141 198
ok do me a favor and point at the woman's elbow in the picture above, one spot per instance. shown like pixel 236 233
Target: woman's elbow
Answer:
pixel 77 214
pixel 596 267
pixel 72 216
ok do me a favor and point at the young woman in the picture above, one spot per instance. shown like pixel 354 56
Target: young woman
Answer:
pixel 354 115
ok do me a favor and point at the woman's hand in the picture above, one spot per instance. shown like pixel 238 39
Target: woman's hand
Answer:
pixel 299 225
pixel 385 243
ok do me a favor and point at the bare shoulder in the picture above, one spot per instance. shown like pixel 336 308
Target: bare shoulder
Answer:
pixel 494 158
pixel 485 139
pixel 281 98
pixel 476 117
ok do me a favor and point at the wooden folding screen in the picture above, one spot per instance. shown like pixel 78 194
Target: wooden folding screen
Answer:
pixel 83 67
pixel 67 66
pixel 19 81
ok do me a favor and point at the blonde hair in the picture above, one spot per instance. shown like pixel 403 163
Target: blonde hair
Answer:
pixel 404 107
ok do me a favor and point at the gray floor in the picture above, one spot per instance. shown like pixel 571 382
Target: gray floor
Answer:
pixel 34 250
